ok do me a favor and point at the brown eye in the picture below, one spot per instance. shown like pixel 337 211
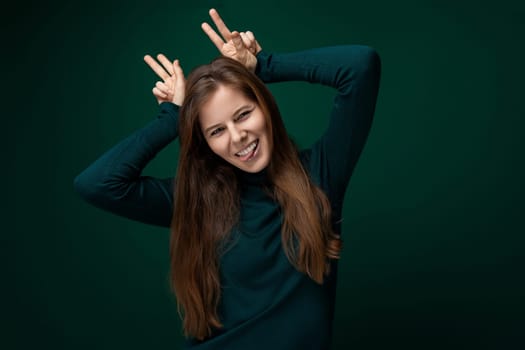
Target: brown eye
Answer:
pixel 216 131
pixel 244 115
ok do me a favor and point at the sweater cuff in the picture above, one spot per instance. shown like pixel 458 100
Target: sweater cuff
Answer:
pixel 168 109
pixel 263 62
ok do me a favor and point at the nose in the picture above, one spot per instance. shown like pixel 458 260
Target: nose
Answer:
pixel 237 135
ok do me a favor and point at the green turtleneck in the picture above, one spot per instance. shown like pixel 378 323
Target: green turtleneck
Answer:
pixel 266 303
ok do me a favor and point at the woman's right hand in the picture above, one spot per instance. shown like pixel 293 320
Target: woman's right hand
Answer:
pixel 171 88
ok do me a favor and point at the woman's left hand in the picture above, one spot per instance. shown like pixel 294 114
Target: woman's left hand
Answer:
pixel 241 46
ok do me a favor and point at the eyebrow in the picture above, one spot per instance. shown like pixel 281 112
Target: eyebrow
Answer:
pixel 234 114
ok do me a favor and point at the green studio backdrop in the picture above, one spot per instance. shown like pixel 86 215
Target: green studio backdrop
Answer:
pixel 433 218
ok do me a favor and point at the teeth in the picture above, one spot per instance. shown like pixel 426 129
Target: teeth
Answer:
pixel 247 149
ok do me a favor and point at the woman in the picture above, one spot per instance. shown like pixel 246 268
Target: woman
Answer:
pixel 254 222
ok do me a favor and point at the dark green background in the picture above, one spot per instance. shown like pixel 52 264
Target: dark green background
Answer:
pixel 434 214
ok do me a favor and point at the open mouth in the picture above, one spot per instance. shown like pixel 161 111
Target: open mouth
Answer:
pixel 248 152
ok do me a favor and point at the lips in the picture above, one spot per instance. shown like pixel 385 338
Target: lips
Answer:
pixel 249 151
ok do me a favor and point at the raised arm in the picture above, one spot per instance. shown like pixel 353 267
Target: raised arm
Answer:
pixel 114 181
pixel 354 71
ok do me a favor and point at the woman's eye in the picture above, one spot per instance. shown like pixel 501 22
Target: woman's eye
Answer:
pixel 243 115
pixel 216 131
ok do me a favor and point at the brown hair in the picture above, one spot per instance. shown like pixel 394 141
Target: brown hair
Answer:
pixel 206 200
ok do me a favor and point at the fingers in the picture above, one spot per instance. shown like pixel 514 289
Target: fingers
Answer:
pixel 245 39
pixel 250 36
pixel 214 37
pixel 258 47
pixel 160 86
pixel 166 87
pixel 178 72
pixel 254 45
pixel 179 84
pixel 157 68
pixel 221 26
pixel 168 66
pixel 159 94
pixel 171 89
pixel 238 41
pixel 248 42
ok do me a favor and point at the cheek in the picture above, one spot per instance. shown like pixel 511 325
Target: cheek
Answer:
pixel 217 146
pixel 261 124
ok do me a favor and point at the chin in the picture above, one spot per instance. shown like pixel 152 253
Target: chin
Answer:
pixel 255 168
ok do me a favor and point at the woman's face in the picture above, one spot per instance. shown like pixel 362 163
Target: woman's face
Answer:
pixel 235 129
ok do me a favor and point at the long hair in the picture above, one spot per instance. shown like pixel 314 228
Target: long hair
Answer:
pixel 206 200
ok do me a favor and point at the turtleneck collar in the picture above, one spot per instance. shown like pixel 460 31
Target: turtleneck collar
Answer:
pixel 255 179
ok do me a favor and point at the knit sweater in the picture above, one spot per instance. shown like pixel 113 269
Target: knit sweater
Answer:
pixel 266 303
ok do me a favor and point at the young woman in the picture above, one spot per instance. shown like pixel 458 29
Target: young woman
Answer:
pixel 254 222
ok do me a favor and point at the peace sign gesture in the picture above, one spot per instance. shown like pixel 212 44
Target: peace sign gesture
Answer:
pixel 241 46
pixel 171 88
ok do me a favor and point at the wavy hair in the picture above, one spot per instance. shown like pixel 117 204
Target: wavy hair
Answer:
pixel 206 200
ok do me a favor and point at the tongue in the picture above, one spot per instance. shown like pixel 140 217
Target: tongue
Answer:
pixel 245 157
pixel 249 155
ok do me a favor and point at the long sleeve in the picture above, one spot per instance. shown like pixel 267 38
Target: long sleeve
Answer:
pixel 114 182
pixel 354 71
